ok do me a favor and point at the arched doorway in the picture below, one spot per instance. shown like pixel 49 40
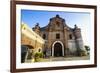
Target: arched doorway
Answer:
pixel 57 49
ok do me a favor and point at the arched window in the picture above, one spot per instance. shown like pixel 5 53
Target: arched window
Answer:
pixel 70 36
pixel 39 50
pixel 44 36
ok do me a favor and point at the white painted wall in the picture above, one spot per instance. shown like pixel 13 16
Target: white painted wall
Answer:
pixel 5 35
pixel 72 46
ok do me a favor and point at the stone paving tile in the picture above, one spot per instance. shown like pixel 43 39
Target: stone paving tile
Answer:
pixel 67 58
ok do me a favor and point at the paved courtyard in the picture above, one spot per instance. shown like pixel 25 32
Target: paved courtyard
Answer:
pixel 65 58
pixel 51 59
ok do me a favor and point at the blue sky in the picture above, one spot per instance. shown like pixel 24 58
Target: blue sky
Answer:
pixel 82 20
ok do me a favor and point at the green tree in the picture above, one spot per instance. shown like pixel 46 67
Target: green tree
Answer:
pixel 87 48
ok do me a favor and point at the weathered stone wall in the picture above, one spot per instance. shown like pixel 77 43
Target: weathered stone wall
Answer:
pixel 70 37
pixel 31 38
pixel 72 46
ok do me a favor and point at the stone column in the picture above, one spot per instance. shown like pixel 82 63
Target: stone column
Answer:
pixel 49 43
pixel 65 40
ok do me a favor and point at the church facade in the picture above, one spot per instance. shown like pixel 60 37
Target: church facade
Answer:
pixel 60 39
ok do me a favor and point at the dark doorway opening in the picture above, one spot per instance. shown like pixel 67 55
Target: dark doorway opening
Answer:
pixel 57 50
pixel 26 52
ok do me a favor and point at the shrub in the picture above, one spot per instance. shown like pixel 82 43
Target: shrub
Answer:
pixel 82 53
pixel 41 55
pixel 37 56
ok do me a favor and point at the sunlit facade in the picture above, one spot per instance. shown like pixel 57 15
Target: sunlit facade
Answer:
pixel 61 40
pixel 31 43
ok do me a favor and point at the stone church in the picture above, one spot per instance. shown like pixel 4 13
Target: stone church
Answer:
pixel 60 39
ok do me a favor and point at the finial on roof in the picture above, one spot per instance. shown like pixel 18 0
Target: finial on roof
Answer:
pixel 57 15
pixel 75 26
pixel 37 24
